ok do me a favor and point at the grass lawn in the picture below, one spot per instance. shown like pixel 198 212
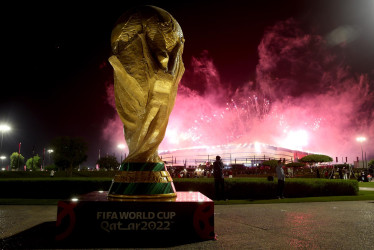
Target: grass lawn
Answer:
pixel 366 184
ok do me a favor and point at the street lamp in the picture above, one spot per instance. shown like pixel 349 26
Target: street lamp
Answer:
pixel 50 151
pixel 3 128
pixel 2 159
pixel 121 147
pixel 361 139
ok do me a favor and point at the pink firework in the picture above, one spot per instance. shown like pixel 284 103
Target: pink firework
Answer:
pixel 304 97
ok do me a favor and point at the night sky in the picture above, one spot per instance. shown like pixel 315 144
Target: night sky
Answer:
pixel 55 70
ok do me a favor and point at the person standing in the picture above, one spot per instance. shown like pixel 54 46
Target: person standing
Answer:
pixel 340 170
pixel 218 178
pixel 345 173
pixel 318 175
pixel 281 179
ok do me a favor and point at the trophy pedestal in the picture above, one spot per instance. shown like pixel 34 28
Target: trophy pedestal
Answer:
pixel 96 220
pixel 142 180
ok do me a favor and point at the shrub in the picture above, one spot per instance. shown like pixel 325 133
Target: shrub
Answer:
pixel 235 188
pixel 39 174
pixel 295 164
pixel 261 188
pixel 51 188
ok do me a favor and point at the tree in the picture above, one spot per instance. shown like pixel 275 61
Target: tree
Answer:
pixel 315 158
pixel 108 162
pixel 16 161
pixel 69 152
pixel 50 167
pixel 371 167
pixel 295 164
pixel 270 163
pixel 33 163
pixel 371 164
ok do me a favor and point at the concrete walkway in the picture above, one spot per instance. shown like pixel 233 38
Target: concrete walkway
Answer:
pixel 318 225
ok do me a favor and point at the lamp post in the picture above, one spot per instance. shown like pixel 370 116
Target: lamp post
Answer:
pixel 361 139
pixel 2 160
pixel 121 147
pixel 50 151
pixel 3 128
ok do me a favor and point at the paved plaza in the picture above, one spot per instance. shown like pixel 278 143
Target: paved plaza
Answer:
pixel 317 225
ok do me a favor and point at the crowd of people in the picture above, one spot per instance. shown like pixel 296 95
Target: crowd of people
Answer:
pixel 324 171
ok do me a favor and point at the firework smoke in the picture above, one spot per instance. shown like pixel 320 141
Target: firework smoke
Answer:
pixel 315 91
pixel 304 97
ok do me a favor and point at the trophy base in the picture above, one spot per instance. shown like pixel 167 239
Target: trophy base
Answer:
pixel 142 181
pixel 154 196
pixel 95 220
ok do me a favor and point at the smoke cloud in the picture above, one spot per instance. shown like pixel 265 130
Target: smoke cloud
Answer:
pixel 304 97
pixel 313 87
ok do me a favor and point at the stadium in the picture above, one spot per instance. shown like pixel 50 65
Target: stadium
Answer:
pixel 247 154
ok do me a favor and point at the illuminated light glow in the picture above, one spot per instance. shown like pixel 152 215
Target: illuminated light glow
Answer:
pixel 257 147
pixel 172 136
pixel 296 139
pixel 2 157
pixel 361 139
pixel 74 199
pixel 101 191
pixel 343 35
pixel 4 128
pixel 121 146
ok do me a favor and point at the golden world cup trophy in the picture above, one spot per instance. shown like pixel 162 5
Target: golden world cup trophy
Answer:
pixel 147 46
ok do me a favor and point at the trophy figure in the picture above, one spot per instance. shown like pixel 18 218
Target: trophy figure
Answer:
pixel 147 46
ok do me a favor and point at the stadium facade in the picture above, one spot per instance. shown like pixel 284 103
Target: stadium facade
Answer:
pixel 248 154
